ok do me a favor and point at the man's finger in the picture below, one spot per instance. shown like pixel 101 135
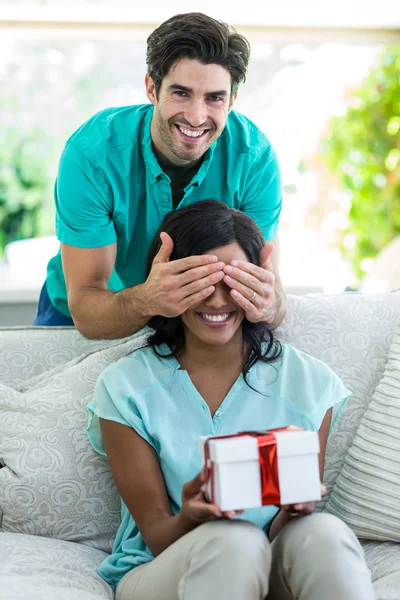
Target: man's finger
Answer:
pixel 196 298
pixel 197 273
pixel 167 246
pixel 197 286
pixel 265 256
pixel 252 312
pixel 238 268
pixel 191 262
pixel 245 284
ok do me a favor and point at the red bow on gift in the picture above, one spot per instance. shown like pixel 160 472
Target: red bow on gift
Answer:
pixel 267 453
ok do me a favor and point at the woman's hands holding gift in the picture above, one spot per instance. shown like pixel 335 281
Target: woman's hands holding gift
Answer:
pixel 195 507
pixel 303 508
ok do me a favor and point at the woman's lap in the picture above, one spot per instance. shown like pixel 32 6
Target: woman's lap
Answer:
pixel 233 560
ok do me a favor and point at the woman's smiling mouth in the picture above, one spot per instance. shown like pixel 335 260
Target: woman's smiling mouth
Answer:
pixel 216 319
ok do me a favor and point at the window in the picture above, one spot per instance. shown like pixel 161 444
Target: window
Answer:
pixel 294 88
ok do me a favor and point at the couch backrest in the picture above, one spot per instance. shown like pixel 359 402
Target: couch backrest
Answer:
pixel 26 352
pixel 351 332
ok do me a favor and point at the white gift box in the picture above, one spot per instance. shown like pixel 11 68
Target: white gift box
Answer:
pixel 235 481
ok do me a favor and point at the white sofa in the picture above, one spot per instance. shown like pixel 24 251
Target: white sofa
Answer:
pixel 55 531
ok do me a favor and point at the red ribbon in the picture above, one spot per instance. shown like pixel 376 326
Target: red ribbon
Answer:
pixel 267 453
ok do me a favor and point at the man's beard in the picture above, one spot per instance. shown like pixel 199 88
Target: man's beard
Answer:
pixel 165 130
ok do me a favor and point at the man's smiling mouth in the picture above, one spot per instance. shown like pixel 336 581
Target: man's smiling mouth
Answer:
pixel 191 134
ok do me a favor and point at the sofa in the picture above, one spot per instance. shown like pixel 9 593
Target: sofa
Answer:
pixel 59 509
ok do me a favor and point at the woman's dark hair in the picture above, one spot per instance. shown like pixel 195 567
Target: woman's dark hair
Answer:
pixel 195 230
pixel 198 37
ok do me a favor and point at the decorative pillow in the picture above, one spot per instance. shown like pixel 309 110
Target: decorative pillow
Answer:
pixel 351 333
pixel 367 492
pixel 53 483
pixel 26 352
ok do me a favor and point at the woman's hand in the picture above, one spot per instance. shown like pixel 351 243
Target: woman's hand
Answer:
pixel 195 508
pixel 303 508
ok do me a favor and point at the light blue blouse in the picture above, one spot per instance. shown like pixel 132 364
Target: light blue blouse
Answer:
pixel 158 399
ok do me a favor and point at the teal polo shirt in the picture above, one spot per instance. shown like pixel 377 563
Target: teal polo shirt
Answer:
pixel 110 188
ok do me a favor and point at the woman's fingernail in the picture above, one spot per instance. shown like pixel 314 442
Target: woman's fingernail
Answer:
pixel 228 269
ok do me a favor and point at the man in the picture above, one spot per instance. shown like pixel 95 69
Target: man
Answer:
pixel 124 169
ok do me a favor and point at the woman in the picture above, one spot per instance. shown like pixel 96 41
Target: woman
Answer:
pixel 212 372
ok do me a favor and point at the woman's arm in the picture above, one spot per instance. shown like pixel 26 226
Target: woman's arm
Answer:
pixel 283 516
pixel 139 481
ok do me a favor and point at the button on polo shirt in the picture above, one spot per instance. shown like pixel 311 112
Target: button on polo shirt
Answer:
pixel 110 188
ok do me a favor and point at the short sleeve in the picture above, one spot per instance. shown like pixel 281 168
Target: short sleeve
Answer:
pixel 336 396
pixel 83 201
pixel 263 193
pixel 311 387
pixel 113 402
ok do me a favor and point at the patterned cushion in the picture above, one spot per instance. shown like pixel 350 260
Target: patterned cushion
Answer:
pixel 366 494
pixel 383 559
pixel 37 568
pixel 54 484
pixel 352 333
pixel 26 352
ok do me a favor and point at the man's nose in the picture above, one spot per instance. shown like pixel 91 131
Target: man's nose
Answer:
pixel 196 113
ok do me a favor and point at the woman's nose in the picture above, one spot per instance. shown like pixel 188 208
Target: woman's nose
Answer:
pixel 220 298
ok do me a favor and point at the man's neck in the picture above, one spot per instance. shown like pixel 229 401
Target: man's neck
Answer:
pixel 173 169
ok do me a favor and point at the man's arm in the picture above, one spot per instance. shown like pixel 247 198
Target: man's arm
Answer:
pixel 97 312
pixel 171 288
pixel 279 291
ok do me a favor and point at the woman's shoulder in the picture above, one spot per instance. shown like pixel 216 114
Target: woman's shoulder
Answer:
pixel 303 384
pixel 294 370
pixel 304 361
pixel 140 369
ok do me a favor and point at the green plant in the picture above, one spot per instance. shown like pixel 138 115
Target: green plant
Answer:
pixel 363 150
pixel 25 186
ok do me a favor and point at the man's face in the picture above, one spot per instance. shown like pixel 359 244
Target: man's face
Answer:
pixel 191 109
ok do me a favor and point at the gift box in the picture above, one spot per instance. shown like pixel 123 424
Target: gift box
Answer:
pixel 253 469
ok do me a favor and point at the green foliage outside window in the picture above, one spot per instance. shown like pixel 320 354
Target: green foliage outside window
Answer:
pixel 25 186
pixel 363 150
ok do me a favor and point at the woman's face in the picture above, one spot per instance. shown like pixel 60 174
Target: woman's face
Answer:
pixel 217 319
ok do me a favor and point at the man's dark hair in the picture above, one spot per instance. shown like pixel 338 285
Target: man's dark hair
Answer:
pixel 198 37
pixel 195 230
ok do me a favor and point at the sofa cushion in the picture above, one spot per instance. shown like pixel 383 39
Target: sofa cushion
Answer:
pixel 352 333
pixel 383 558
pixel 366 494
pixel 26 352
pixel 37 568
pixel 54 484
